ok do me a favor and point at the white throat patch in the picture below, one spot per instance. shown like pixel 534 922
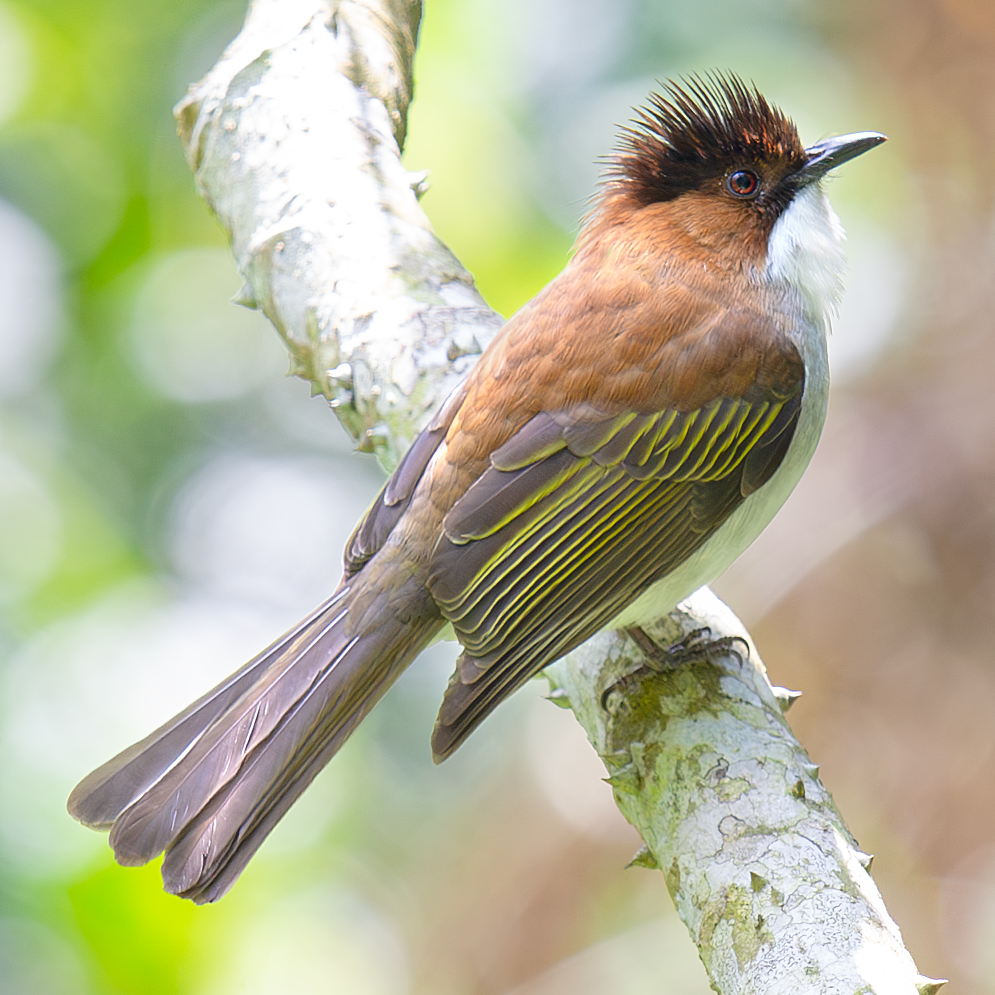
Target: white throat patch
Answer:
pixel 805 249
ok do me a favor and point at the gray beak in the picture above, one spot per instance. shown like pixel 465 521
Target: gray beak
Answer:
pixel 834 152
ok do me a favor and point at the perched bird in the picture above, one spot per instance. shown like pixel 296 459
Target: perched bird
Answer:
pixel 625 436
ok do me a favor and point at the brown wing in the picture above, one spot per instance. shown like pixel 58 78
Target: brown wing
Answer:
pixel 578 513
pixel 375 526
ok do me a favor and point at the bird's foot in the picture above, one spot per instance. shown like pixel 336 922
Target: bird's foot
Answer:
pixel 696 645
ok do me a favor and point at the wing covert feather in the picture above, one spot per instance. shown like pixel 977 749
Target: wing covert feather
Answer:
pixel 578 513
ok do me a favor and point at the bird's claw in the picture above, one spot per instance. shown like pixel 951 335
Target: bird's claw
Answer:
pixel 696 645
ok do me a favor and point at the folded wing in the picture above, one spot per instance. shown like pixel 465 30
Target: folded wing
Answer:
pixel 581 511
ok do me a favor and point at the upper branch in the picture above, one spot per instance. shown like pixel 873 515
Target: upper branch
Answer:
pixel 294 138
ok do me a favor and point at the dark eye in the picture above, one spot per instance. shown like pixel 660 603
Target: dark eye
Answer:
pixel 743 183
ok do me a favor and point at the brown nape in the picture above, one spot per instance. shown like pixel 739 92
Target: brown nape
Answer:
pixel 701 228
pixel 701 131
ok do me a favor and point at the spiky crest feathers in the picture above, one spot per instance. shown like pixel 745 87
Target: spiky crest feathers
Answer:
pixel 697 130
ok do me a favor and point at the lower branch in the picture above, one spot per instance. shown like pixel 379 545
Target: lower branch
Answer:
pixel 759 862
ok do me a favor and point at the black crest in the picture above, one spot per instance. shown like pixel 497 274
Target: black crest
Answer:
pixel 699 129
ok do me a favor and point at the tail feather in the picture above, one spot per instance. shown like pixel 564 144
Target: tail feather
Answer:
pixel 155 819
pixel 207 858
pixel 105 793
pixel 209 786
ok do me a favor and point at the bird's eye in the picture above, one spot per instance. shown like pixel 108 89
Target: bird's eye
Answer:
pixel 743 183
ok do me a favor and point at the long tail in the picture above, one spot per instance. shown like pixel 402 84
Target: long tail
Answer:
pixel 209 786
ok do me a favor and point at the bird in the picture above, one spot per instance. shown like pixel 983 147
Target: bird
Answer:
pixel 626 434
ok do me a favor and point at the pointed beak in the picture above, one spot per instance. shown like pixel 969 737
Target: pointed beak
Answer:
pixel 834 152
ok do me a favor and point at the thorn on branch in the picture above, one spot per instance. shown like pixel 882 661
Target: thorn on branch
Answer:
pixel 559 698
pixel 644 858
pixel 419 182
pixel 785 697
pixel 246 298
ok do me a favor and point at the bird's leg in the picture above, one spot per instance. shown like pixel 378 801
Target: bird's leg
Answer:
pixel 696 645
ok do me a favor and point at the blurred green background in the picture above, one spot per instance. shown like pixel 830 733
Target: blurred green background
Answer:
pixel 169 502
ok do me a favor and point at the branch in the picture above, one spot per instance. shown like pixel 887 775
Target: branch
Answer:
pixel 760 864
pixel 294 141
pixel 295 138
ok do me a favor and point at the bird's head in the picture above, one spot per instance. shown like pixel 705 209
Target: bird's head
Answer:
pixel 712 155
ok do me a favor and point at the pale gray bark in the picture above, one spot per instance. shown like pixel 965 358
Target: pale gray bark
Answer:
pixel 294 139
